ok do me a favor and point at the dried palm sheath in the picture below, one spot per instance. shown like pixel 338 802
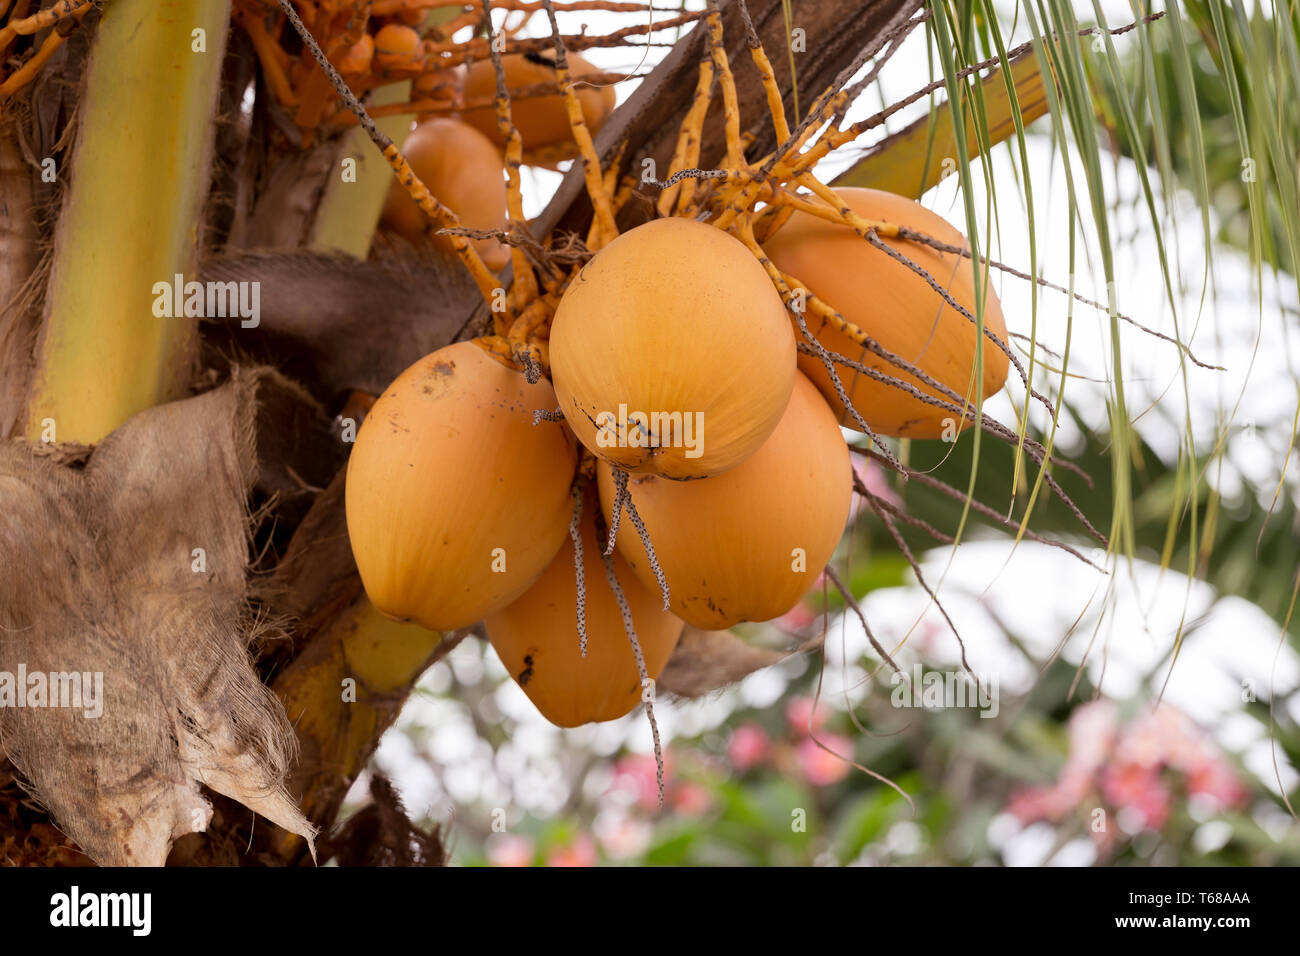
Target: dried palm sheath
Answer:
pixel 156 529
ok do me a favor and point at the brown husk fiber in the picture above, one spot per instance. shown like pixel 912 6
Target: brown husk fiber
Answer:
pixel 99 573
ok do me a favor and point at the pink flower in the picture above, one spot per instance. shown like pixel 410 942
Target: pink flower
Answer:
pixel 873 475
pixel 1052 802
pixel 1074 784
pixel 1160 736
pixel 620 835
pixel 1130 763
pixel 1125 783
pixel 1092 731
pixel 804 716
pixel 1217 781
pixel 636 775
pixel 797 618
pixel 581 852
pixel 748 747
pixel 1037 803
pixel 1154 807
pixel 691 799
pixel 1138 787
pixel 506 849
pixel 820 768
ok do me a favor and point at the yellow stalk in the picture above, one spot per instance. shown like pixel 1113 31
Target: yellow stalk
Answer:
pixel 348 213
pixel 731 111
pixel 687 153
pixel 131 219
pixel 772 92
pixel 343 691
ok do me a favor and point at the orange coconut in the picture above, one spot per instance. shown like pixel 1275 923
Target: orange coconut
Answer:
pixel 671 352
pixel 464 171
pixel 541 120
pixel 398 47
pixel 536 637
pixel 357 59
pixel 439 85
pixel 456 502
pixel 748 544
pixel 894 306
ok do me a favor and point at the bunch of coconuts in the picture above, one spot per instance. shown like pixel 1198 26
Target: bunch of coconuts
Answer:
pixel 460 157
pixel 673 359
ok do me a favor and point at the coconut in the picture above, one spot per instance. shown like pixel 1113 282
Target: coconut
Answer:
pixel 896 307
pixel 356 61
pixel 540 120
pixel 536 637
pixel 462 170
pixel 442 86
pixel 671 351
pixel 456 501
pixel 748 544
pixel 398 47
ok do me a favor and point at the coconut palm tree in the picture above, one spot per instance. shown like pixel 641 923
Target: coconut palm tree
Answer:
pixel 195 313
